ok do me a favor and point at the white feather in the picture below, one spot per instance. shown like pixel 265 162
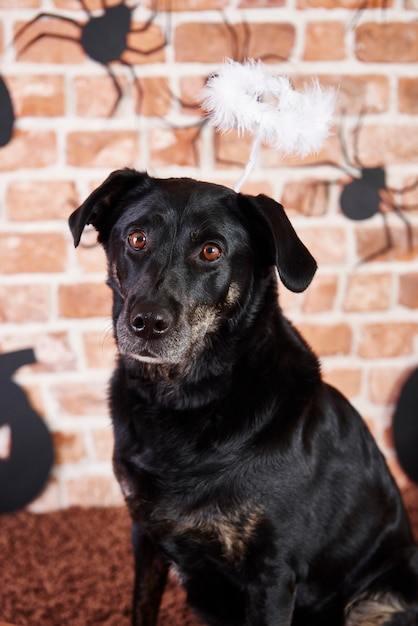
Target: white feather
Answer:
pixel 246 97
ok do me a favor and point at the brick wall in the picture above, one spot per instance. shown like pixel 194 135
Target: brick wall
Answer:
pixel 361 317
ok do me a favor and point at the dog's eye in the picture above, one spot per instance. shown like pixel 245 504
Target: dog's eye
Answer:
pixel 210 252
pixel 137 240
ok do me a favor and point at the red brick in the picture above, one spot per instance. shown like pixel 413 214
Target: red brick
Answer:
pixel 147 46
pixel 368 292
pixel 69 447
pixel 289 301
pixel 372 239
pixel 84 300
pixel 103 442
pixel 90 256
pixel 212 42
pixel 93 490
pixel 408 95
pixel 37 95
pixel 21 253
pixel 156 99
pixel 327 244
pixel 175 146
pixel 389 339
pixel 329 339
pixel 53 350
pixel 348 381
pixel 96 96
pixel 271 41
pixel 309 196
pixel 110 149
pixel 355 94
pixel 201 42
pixel 342 4
pixel 40 200
pixel 408 290
pixel 324 41
pixel 34 149
pixel 231 149
pixel 100 349
pixel 30 4
pixel 330 152
pixel 386 144
pixel 384 384
pixel 261 4
pixel 190 88
pixel 20 304
pixel 49 49
pixel 387 42
pixel 78 398
pixel 321 294
pixel 197 5
pixel 74 5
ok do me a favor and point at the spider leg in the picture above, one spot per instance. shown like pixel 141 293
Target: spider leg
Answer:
pixel 353 23
pixel 137 84
pixel 388 245
pixel 410 187
pixel 235 48
pixel 149 22
pixel 87 10
pixel 408 227
pixel 117 87
pixel 199 126
pixel 247 41
pixel 146 52
pixel 356 135
pixel 41 35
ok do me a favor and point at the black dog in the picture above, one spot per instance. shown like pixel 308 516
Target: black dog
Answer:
pixel 257 481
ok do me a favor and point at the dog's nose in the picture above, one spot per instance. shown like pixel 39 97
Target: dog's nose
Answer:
pixel 150 321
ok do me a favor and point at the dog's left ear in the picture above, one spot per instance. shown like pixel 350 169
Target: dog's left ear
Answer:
pixel 278 242
pixel 101 206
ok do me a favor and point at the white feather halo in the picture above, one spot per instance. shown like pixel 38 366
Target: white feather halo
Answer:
pixel 246 97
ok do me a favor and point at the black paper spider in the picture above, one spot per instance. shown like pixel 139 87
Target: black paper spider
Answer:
pixel 103 38
pixel 7 118
pixel 367 194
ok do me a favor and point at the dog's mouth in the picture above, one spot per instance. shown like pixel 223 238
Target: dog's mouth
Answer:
pixel 145 356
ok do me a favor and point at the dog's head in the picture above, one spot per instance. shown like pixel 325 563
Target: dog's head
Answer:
pixel 184 257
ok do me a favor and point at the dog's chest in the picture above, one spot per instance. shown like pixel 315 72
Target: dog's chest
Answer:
pixel 224 526
pixel 206 531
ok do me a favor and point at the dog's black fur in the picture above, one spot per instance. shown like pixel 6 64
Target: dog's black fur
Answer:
pixel 256 480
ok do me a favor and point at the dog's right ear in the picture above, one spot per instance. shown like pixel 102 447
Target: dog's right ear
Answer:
pixel 278 243
pixel 100 207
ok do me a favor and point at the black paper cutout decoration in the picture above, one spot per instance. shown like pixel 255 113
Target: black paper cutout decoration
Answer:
pixel 7 118
pixel 24 472
pixel 405 427
pixel 367 194
pixel 104 38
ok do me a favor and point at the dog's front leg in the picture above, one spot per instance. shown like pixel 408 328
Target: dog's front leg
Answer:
pixel 150 577
pixel 271 603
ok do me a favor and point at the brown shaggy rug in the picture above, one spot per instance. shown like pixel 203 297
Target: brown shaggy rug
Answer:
pixel 74 568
